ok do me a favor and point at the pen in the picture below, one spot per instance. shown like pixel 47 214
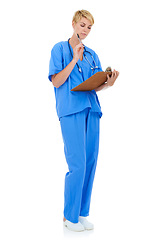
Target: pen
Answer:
pixel 79 38
pixel 81 58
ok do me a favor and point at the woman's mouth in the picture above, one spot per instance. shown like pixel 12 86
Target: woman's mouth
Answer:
pixel 84 34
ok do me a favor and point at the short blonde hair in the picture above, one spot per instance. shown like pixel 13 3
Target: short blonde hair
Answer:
pixel 83 13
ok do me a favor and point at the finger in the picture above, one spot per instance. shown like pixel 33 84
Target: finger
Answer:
pixel 80 45
pixel 107 74
pixel 113 75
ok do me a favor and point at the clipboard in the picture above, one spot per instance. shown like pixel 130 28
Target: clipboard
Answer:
pixel 93 82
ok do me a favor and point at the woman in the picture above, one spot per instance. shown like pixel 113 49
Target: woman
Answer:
pixel 79 113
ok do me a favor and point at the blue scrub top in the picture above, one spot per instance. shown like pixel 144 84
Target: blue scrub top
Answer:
pixel 68 102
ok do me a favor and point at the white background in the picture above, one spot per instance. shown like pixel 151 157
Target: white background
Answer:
pixel 126 193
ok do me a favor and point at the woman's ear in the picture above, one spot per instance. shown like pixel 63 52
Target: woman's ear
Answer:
pixel 73 24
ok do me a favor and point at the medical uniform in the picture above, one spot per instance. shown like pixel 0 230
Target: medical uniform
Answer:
pixel 79 114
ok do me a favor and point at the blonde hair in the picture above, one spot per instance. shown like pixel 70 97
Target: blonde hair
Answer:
pixel 83 13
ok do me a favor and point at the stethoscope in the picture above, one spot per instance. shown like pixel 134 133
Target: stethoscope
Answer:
pixel 84 53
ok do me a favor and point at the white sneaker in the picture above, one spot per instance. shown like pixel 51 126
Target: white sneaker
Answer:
pixel 87 225
pixel 76 227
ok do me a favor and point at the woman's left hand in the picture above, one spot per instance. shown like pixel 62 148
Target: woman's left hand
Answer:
pixel 111 80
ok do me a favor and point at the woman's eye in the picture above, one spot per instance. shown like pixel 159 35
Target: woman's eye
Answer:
pixel 82 25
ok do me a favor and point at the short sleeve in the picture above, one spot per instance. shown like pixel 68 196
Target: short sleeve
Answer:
pixel 56 60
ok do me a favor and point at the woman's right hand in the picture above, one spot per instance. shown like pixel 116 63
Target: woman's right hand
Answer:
pixel 78 51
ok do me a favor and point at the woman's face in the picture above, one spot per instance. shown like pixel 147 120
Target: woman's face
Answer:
pixel 83 27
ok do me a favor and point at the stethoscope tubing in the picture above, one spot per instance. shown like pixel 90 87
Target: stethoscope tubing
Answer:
pixel 92 67
pixel 84 53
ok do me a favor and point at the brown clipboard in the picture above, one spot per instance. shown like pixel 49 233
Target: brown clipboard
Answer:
pixel 93 82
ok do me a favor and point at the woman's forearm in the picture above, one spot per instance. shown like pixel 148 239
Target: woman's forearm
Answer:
pixel 60 78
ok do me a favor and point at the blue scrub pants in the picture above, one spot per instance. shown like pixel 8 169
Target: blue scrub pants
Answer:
pixel 80 133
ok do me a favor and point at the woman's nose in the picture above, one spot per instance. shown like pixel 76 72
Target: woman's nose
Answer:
pixel 86 29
